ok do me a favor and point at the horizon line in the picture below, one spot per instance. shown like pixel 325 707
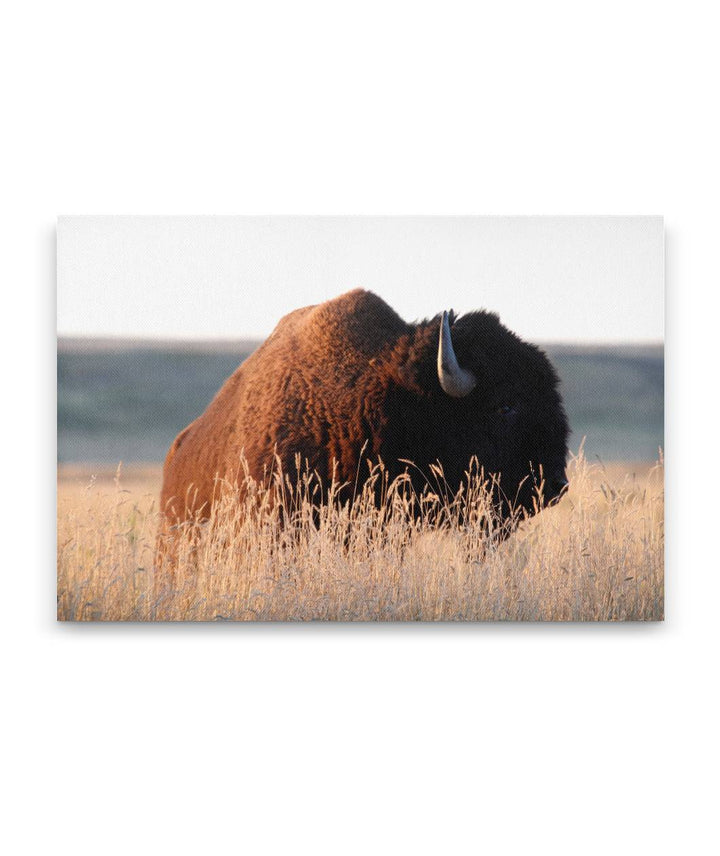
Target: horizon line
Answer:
pixel 100 342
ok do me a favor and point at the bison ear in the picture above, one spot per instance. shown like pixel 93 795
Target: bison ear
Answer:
pixel 455 380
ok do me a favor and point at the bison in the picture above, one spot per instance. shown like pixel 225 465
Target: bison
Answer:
pixel 347 382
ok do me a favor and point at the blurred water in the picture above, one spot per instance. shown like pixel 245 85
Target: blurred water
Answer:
pixel 128 403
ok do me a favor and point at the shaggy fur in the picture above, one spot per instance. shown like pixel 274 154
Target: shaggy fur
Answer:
pixel 349 380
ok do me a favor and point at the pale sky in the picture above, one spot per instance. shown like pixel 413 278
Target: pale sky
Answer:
pixel 560 279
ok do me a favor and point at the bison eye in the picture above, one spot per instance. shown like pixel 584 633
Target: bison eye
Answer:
pixel 506 410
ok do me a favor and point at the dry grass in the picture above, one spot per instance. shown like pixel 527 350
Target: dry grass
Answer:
pixel 596 556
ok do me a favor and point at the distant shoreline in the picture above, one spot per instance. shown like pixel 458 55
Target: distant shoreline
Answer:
pixel 107 344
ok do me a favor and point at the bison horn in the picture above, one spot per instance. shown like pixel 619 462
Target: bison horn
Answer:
pixel 456 381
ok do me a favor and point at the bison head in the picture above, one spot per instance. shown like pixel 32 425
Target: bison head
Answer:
pixel 493 397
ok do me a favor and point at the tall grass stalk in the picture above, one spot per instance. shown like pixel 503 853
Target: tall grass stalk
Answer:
pixel 273 553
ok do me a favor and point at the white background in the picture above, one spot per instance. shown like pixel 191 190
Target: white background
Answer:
pixel 326 739
pixel 560 279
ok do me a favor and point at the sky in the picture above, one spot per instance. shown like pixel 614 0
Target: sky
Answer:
pixel 551 279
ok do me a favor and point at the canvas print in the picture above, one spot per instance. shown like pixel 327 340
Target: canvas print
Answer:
pixel 360 419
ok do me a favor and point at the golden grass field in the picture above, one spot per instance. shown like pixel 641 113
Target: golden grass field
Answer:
pixel 596 556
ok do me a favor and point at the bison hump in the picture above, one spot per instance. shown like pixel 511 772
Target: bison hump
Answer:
pixel 358 322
